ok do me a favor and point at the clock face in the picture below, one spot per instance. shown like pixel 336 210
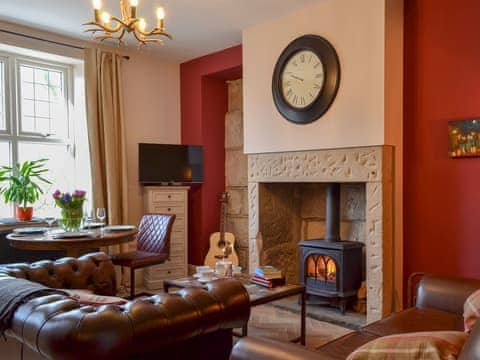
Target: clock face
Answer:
pixel 302 79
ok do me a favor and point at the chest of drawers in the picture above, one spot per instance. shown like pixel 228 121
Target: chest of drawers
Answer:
pixel 169 200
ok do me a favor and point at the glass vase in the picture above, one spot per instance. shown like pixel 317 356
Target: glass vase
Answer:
pixel 71 219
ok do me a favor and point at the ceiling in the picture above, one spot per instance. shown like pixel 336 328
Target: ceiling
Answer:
pixel 199 27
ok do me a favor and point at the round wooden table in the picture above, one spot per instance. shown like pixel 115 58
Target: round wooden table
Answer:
pixel 72 246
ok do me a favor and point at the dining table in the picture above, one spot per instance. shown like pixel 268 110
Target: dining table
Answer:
pixel 72 246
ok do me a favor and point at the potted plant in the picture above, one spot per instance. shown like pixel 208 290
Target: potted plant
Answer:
pixel 72 208
pixel 23 186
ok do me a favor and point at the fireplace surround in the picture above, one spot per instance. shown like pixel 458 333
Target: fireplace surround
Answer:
pixel 369 165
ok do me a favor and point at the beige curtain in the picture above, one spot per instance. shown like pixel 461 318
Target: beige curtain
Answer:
pixel 106 130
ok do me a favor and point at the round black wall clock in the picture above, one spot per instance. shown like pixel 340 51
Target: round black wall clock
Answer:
pixel 306 79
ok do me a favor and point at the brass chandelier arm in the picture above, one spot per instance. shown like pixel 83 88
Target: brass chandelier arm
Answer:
pixel 103 27
pixel 124 10
pixel 143 41
pixel 159 32
pixel 108 36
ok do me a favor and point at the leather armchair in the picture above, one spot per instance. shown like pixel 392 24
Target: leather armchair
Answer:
pixel 196 323
pixel 439 306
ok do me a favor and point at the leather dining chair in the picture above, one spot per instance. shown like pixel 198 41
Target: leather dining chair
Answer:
pixel 153 245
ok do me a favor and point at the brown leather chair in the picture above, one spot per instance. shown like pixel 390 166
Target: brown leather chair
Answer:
pixel 438 307
pixel 153 245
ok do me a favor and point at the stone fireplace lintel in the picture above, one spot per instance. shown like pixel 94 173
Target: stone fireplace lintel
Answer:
pixel 370 165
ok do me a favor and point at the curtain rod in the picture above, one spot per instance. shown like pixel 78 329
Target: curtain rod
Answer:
pixel 49 41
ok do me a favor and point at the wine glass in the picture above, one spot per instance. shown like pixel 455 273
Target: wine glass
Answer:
pixel 50 221
pixel 87 218
pixel 101 214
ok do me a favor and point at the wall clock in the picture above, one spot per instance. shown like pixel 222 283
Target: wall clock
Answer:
pixel 306 79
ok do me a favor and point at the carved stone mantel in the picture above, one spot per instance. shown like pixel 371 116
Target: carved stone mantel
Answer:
pixel 370 165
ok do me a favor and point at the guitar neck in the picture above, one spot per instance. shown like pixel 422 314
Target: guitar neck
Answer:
pixel 223 220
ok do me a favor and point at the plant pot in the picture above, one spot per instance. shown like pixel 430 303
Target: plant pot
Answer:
pixel 71 219
pixel 23 213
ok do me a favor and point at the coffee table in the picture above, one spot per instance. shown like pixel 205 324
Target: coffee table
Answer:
pixel 258 296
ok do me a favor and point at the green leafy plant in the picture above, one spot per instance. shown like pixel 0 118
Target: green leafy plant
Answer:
pixel 23 182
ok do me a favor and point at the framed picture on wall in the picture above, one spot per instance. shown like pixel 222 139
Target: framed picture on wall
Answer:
pixel 464 138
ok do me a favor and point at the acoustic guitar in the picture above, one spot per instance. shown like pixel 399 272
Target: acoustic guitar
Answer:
pixel 222 244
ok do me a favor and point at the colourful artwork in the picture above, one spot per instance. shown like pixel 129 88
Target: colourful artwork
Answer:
pixel 464 138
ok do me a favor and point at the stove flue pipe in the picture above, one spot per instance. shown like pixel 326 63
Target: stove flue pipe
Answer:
pixel 332 202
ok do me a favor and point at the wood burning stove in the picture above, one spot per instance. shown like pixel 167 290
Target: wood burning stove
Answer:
pixel 331 269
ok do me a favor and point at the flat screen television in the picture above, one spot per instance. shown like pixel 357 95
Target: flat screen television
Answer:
pixel 162 163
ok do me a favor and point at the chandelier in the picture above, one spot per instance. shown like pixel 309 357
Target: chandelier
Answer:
pixel 115 28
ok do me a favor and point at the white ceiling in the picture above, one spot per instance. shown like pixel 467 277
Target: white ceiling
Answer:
pixel 199 27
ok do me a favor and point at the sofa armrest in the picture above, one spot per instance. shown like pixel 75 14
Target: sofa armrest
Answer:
pixel 58 327
pixel 265 349
pixel 94 271
pixel 446 294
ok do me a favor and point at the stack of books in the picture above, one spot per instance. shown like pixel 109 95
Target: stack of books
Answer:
pixel 267 276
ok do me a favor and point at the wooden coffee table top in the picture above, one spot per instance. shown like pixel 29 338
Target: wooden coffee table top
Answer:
pixel 258 295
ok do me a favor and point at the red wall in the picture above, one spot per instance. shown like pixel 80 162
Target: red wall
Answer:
pixel 442 83
pixel 204 105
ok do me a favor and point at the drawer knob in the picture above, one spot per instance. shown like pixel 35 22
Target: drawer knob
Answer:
pixel 169 196
pixel 169 209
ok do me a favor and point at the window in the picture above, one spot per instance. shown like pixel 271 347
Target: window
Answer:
pixel 43 101
pixel 36 105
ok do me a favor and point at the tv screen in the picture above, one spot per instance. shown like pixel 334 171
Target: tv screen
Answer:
pixel 160 163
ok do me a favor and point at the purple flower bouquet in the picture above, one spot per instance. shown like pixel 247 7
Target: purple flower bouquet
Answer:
pixel 72 208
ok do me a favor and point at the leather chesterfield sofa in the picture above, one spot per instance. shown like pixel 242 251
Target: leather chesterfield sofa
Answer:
pixel 439 306
pixel 196 323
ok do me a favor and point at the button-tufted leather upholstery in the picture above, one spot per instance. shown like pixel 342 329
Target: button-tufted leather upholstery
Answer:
pixel 196 323
pixel 93 272
pixel 153 245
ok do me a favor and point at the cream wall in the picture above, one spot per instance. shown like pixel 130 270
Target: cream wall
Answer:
pixel 152 114
pixel 356 29
pixel 151 98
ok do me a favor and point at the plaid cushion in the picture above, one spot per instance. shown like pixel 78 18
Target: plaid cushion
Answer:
pixel 435 345
pixel 471 310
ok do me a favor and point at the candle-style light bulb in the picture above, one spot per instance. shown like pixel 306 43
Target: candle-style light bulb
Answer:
pixel 160 18
pixel 142 25
pixel 97 6
pixel 133 8
pixel 106 17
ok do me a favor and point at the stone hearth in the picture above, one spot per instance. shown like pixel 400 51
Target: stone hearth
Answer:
pixel 366 177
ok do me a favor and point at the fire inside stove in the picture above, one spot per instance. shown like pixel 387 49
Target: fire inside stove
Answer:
pixel 322 268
